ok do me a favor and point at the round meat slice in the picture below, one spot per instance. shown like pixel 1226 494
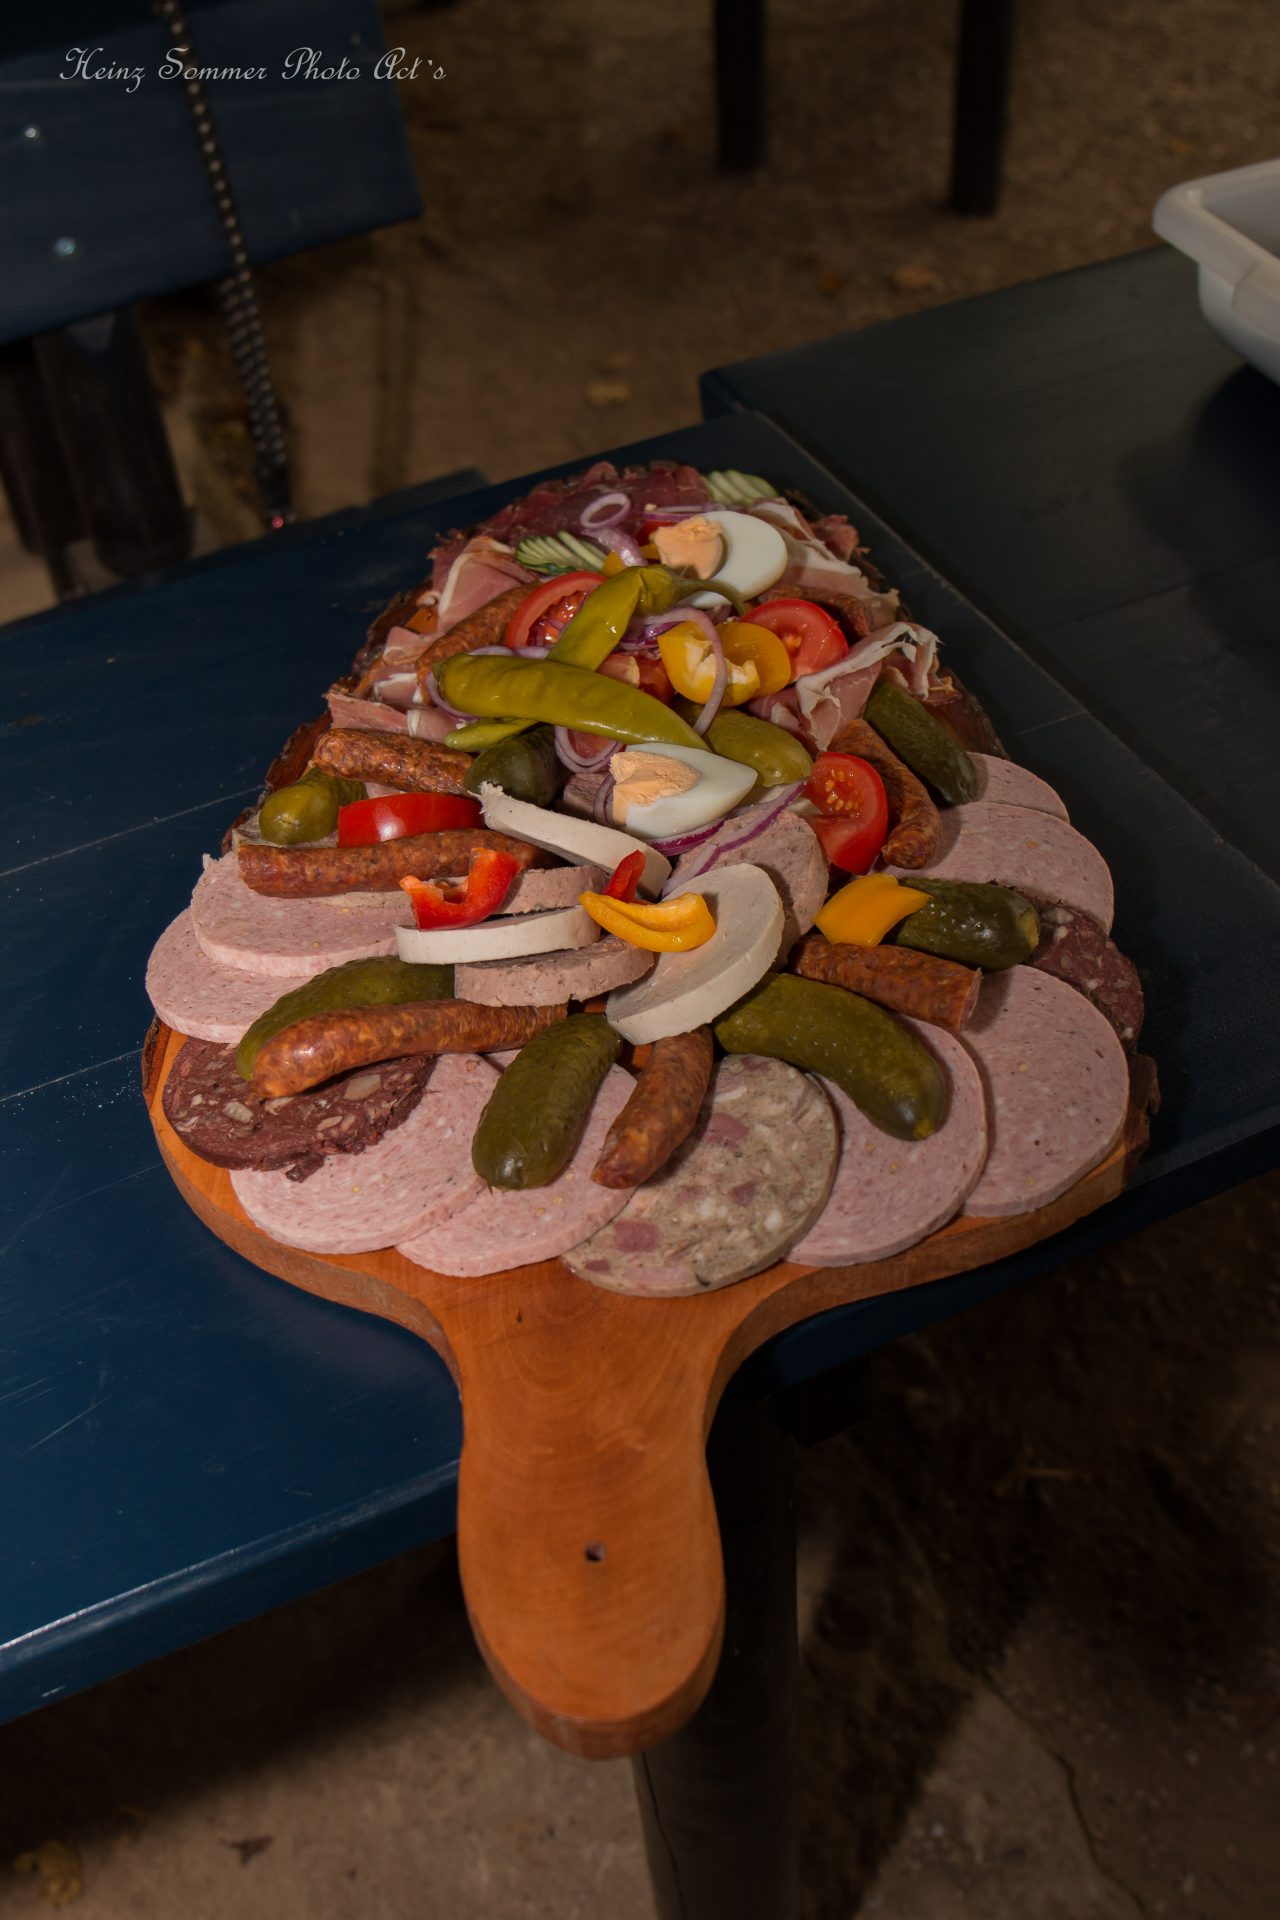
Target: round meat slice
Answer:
pixel 290 939
pixel 1075 949
pixel 1011 785
pixel 505 1228
pixel 548 979
pixel 413 1178
pixel 750 1181
pixel 887 1193
pixel 212 1111
pixel 194 995
pixel 1057 1086
pixel 541 888
pixel 789 851
pixel 1022 847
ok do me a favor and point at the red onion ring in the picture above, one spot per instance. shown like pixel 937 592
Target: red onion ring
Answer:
pixel 604 511
pixel 669 515
pixel 620 543
pixel 766 812
pixel 600 805
pixel 576 762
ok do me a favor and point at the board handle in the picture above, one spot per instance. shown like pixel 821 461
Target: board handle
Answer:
pixel 587 1534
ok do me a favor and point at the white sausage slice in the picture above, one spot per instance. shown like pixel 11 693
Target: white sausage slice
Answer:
pixel 687 990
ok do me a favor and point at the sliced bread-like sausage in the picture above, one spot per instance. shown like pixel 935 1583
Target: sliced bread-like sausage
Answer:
pixel 288 938
pixel 197 996
pixel 1022 847
pixel 1014 786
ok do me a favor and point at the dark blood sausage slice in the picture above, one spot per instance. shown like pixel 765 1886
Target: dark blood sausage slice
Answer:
pixel 661 1113
pixel 394 759
pixel 920 985
pixel 1074 948
pixel 312 1050
pixel 214 1113
pixel 913 838
pixel 964 717
pixel 305 873
pixel 485 627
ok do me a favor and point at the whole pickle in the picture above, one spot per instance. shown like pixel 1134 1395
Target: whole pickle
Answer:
pixel 308 809
pixel 526 766
pixel 536 1114
pixel 380 982
pixel 775 756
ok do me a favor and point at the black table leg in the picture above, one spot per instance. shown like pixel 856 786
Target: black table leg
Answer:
pixel 718 1800
pixel 982 95
pixel 740 86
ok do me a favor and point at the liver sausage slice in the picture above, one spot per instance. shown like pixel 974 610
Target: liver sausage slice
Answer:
pixel 547 979
pixel 194 995
pixel 887 1193
pixel 290 939
pixel 789 851
pixel 415 1176
pixel 1022 847
pixel 504 1228
pixel 1057 1086
pixel 1011 785
pixel 749 1182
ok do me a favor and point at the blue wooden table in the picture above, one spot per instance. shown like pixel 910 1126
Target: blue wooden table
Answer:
pixel 187 1442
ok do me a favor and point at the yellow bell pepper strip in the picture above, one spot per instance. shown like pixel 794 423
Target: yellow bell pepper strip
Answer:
pixel 565 696
pixel 862 913
pixel 687 655
pixel 748 644
pixel 665 926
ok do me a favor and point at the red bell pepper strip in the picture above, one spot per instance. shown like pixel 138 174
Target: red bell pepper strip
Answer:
pixel 463 903
pixel 625 877
pixel 365 822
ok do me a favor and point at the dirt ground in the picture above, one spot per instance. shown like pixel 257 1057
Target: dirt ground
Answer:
pixel 1039 1579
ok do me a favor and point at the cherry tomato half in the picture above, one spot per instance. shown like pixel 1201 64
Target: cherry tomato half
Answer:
pixel 364 822
pixel 850 794
pixel 638 670
pixel 808 632
pixel 542 617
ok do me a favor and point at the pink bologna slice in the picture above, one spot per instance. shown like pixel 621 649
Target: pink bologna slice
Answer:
pixel 888 1193
pixel 1057 1086
pixel 1022 847
pixel 194 995
pixel 416 1175
pixel 289 938
pixel 1011 785
pixel 501 1229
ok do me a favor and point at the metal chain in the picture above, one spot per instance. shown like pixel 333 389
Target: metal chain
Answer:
pixel 238 298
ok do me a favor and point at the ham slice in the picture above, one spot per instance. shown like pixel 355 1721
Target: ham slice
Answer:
pixel 484 569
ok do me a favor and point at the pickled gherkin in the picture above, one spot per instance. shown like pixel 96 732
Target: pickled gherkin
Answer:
pixel 536 1114
pixel 526 766
pixel 382 981
pixel 308 808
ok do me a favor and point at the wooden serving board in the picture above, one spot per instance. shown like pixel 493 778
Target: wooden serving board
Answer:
pixel 587 1535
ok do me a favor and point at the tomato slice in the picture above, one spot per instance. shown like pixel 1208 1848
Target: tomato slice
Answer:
pixel 850 794
pixel 543 615
pixel 364 822
pixel 638 670
pixel 808 632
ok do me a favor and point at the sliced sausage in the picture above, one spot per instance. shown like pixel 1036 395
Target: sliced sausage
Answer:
pixel 1057 1086
pixel 1015 786
pixel 917 984
pixel 411 1179
pixel 289 939
pixel 1023 848
pixel 316 872
pixel 545 887
pixel 545 979
pixel 887 1193
pixel 661 1113
pixel 215 1113
pixel 1075 949
pixel 748 1183
pixel 486 627
pixel 513 1227
pixel 789 851
pixel 964 717
pixel 314 1049
pixel 197 996
pixel 913 837
pixel 414 766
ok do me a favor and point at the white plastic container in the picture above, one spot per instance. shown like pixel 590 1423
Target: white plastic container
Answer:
pixel 1229 223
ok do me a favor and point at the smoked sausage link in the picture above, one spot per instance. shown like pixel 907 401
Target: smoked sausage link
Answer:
pixel 323 1044
pixel 394 759
pixel 661 1113
pixel 486 627
pixel 913 838
pixel 920 985
pixel 312 872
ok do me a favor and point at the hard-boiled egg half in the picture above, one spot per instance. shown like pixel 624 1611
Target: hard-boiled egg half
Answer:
pixel 748 554
pixel 665 790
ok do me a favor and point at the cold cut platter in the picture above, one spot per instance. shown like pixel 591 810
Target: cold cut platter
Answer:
pixel 651 946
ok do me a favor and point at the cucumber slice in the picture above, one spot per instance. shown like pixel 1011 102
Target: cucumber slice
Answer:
pixel 551 553
pixel 735 489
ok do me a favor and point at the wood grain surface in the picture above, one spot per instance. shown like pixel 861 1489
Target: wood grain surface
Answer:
pixel 587 1535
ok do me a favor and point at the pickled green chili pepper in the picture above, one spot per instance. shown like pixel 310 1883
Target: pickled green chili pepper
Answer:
pixel 564 696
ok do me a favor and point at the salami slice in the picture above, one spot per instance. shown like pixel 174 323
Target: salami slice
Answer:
pixel 1022 847
pixel 748 1183
pixel 887 1193
pixel 504 1228
pixel 194 995
pixel 413 1178
pixel 289 939
pixel 1011 785
pixel 1057 1086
